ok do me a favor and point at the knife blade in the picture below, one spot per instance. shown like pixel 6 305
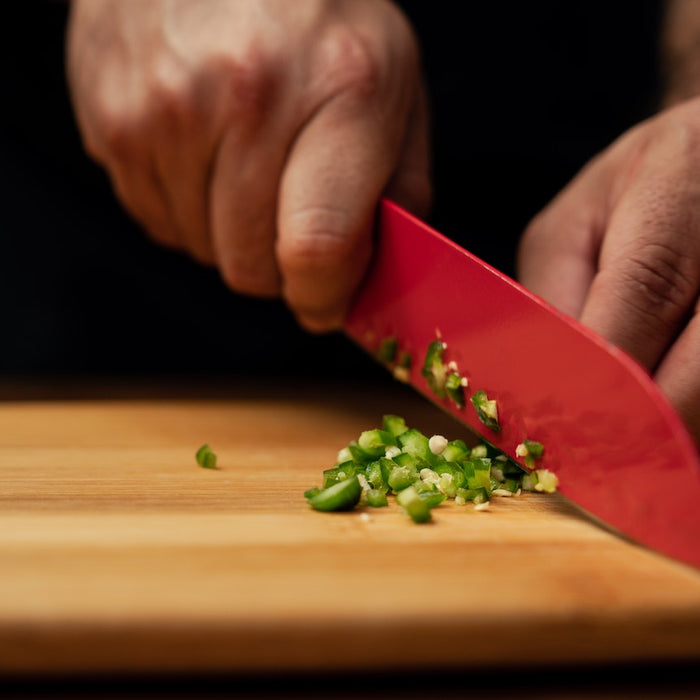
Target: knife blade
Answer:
pixel 615 442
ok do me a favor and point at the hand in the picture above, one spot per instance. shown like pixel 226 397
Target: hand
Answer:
pixel 619 248
pixel 257 135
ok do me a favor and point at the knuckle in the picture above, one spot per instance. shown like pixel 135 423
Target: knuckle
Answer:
pixel 170 94
pixel 249 83
pixel 660 276
pixel 349 63
pixel 110 125
pixel 317 239
pixel 116 132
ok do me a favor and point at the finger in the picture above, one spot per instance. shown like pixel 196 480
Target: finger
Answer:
pixel 557 255
pixel 138 186
pixel 243 211
pixel 648 275
pixel 120 139
pixel 336 173
pixel 182 169
pixel 185 119
pixel 678 374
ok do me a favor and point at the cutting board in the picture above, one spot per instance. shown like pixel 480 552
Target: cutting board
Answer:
pixel 119 553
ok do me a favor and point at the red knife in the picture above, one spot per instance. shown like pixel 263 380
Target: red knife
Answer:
pixel 616 444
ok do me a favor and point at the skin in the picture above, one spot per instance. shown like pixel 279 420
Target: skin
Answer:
pixel 256 135
pixel 619 249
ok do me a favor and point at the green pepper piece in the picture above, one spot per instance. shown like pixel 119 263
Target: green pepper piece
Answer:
pixel 511 485
pixel 206 457
pixel 363 456
pixel 534 448
pixel 407 459
pixel 376 441
pixel 394 424
pixel 455 389
pixel 429 493
pixel 479 474
pixel 344 495
pixel 386 352
pixel 455 451
pixel 415 443
pixel 405 360
pixel 455 470
pixel 339 473
pixel 376 498
pixel 401 477
pixel 486 409
pixel 417 508
pixel 434 370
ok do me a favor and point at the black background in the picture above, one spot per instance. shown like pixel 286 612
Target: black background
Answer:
pixel 523 95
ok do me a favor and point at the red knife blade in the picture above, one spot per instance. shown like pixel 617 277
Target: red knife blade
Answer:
pixel 615 442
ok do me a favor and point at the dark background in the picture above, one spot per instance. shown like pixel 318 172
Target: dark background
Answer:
pixel 523 95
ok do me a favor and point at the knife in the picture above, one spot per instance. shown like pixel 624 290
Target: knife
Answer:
pixel 618 447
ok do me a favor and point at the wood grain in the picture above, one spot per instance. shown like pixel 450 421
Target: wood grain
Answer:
pixel 119 553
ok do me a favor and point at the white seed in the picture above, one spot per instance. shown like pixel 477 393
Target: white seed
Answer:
pixel 392 451
pixel 482 506
pixel 521 450
pixel 501 492
pixel 437 444
pixel 429 476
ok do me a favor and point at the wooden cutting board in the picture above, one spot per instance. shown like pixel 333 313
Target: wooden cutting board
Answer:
pixel 119 553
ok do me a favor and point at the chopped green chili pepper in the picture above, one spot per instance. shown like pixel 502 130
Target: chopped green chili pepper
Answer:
pixel 206 457
pixel 397 460
pixel 388 347
pixel 454 388
pixel 343 495
pixel 434 370
pixel 486 409
pixel 417 508
pixel 405 360
pixel 377 498
pixel 529 451
pixel 394 424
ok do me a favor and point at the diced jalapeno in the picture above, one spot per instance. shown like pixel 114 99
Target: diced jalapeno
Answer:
pixel 341 496
pixel 206 457
pixel 394 424
pixel 376 441
pixel 529 451
pixel 386 352
pixel 486 409
pixel 455 451
pixel 434 370
pixel 417 508
pixel 377 498
pixel 421 472
pixel 454 388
